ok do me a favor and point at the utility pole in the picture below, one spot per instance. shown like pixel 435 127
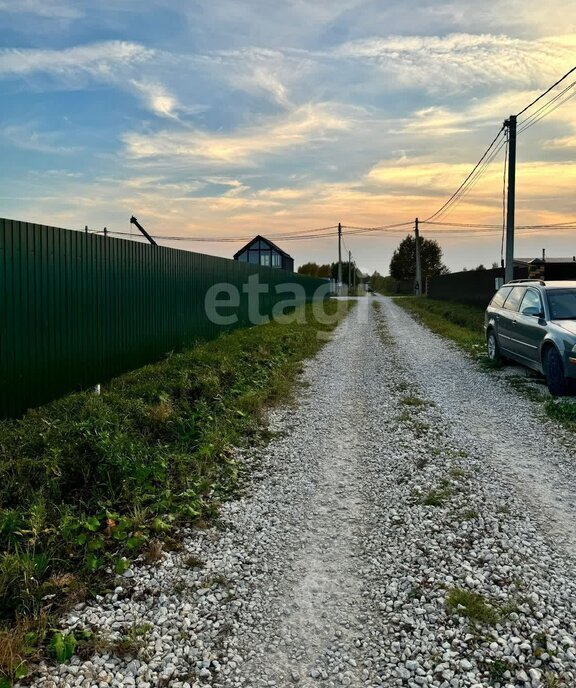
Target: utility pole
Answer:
pixel 509 268
pixel 339 285
pixel 349 270
pixel 418 281
pixel 354 277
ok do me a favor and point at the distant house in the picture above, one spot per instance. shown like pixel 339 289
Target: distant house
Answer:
pixel 262 251
pixel 548 268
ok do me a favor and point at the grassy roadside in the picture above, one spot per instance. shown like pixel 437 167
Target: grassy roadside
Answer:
pixel 89 482
pixel 458 322
pixel 464 326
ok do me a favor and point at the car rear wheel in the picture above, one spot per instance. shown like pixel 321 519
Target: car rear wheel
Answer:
pixel 555 379
pixel 493 347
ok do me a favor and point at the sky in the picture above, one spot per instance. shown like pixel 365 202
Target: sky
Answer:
pixel 230 118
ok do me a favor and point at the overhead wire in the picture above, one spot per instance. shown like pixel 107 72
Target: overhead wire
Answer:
pixel 546 104
pixel 549 110
pixel 380 227
pixel 461 224
pixel 560 80
pixel 455 199
pixel 452 198
pixel 475 229
pixel 480 171
pixel 489 155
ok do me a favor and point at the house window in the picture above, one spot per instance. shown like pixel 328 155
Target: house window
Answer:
pixel 265 258
pixel 254 257
pixel 276 260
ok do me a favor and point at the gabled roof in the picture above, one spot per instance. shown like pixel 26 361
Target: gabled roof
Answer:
pixel 259 237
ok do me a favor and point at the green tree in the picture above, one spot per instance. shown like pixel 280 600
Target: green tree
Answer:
pixel 403 263
pixel 314 270
pixel 346 267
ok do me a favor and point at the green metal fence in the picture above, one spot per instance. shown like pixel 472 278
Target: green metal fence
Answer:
pixel 77 308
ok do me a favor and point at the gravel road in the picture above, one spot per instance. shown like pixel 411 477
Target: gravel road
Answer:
pixel 408 525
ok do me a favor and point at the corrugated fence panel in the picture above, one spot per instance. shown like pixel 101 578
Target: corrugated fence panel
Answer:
pixel 77 308
pixel 473 287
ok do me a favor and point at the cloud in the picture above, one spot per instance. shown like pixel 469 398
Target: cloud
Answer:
pixel 98 60
pixel 50 9
pixel 263 80
pixel 26 137
pixel 308 125
pixel 157 98
pixel 437 121
pixel 434 182
pixel 117 63
pixel 462 60
pixel 562 142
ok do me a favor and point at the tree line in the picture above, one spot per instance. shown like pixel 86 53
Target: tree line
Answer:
pixel 330 270
pixel 402 266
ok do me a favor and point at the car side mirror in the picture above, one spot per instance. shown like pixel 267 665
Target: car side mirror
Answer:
pixel 533 310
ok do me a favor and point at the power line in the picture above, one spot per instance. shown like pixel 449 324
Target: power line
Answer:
pixel 546 91
pixel 460 188
pixel 309 234
pixel 462 224
pixel 472 180
pixel 489 156
pixel 547 104
pixel 474 229
pixel 547 109
pixel 375 229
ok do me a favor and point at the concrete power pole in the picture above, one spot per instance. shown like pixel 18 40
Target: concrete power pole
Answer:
pixel 418 281
pixel 339 285
pixel 509 265
pixel 349 271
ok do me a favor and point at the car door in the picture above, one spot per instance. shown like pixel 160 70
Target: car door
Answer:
pixel 507 336
pixel 530 328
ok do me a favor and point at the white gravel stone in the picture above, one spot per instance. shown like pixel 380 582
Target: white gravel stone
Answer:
pixel 362 514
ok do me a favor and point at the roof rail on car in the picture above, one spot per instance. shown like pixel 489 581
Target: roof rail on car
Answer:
pixel 520 281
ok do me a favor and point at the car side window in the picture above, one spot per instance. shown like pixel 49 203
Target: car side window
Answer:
pixel 514 298
pixel 500 297
pixel 531 303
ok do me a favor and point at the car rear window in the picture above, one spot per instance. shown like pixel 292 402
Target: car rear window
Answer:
pixel 500 297
pixel 514 298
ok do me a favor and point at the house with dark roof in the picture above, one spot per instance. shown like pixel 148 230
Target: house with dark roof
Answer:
pixel 548 268
pixel 262 251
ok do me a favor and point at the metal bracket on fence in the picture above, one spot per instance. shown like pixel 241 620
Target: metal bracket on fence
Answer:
pixel 134 221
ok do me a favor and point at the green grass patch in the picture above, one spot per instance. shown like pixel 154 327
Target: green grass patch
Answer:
pixel 464 326
pixel 562 410
pixel 88 482
pixel 437 496
pixel 497 671
pixel 470 515
pixel 472 606
pixel 458 322
pixel 527 386
pixel 412 400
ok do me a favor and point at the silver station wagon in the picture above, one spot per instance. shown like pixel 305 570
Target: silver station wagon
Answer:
pixel 533 322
